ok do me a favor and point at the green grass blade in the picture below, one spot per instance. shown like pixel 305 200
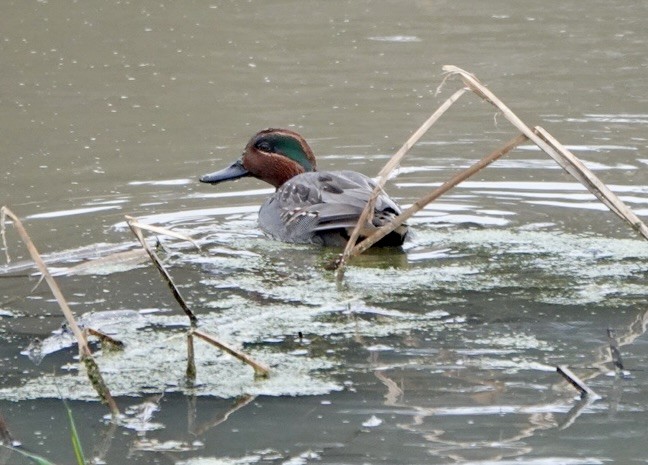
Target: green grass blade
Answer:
pixel 74 435
pixel 33 457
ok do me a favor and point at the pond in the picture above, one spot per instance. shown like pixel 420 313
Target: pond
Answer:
pixel 442 351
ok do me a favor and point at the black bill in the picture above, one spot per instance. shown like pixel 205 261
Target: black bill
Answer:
pixel 234 171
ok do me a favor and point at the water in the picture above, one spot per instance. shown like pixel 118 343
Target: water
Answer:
pixel 444 352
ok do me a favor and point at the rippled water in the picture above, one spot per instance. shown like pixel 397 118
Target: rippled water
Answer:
pixel 442 352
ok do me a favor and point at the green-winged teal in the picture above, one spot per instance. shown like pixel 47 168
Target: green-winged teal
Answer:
pixel 309 206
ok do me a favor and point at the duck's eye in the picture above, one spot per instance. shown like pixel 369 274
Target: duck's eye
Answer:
pixel 264 146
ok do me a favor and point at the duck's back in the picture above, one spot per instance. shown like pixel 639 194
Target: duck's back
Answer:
pixel 324 207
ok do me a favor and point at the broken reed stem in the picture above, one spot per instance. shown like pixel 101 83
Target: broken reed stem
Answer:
pixel 586 177
pixel 555 150
pixel 414 138
pixel 107 342
pixel 94 374
pixel 58 295
pixel 191 359
pixel 615 353
pixel 165 232
pixel 584 389
pixel 2 233
pixel 539 136
pixel 259 368
pixel 84 350
pixel 436 193
pixel 388 168
pixel 136 228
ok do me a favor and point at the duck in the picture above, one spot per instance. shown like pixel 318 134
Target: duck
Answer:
pixel 308 206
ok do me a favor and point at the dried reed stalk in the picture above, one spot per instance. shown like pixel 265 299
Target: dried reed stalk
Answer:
pixel 259 368
pixel 164 231
pixel 436 193
pixel 555 150
pixel 388 168
pixel 538 135
pixel 191 359
pixel 615 353
pixel 108 342
pixel 137 227
pixel 85 353
pixel 584 175
pixel 584 389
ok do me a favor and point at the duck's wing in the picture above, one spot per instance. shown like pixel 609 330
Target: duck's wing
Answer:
pixel 314 207
pixel 349 196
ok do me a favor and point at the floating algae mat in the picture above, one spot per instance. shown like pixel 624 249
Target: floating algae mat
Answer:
pixel 264 312
pixel 154 358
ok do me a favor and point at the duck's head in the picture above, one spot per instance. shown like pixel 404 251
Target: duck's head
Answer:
pixel 272 155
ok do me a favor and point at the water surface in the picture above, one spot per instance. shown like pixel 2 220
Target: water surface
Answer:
pixel 443 352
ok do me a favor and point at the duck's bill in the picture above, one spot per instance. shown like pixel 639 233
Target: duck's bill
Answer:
pixel 234 171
